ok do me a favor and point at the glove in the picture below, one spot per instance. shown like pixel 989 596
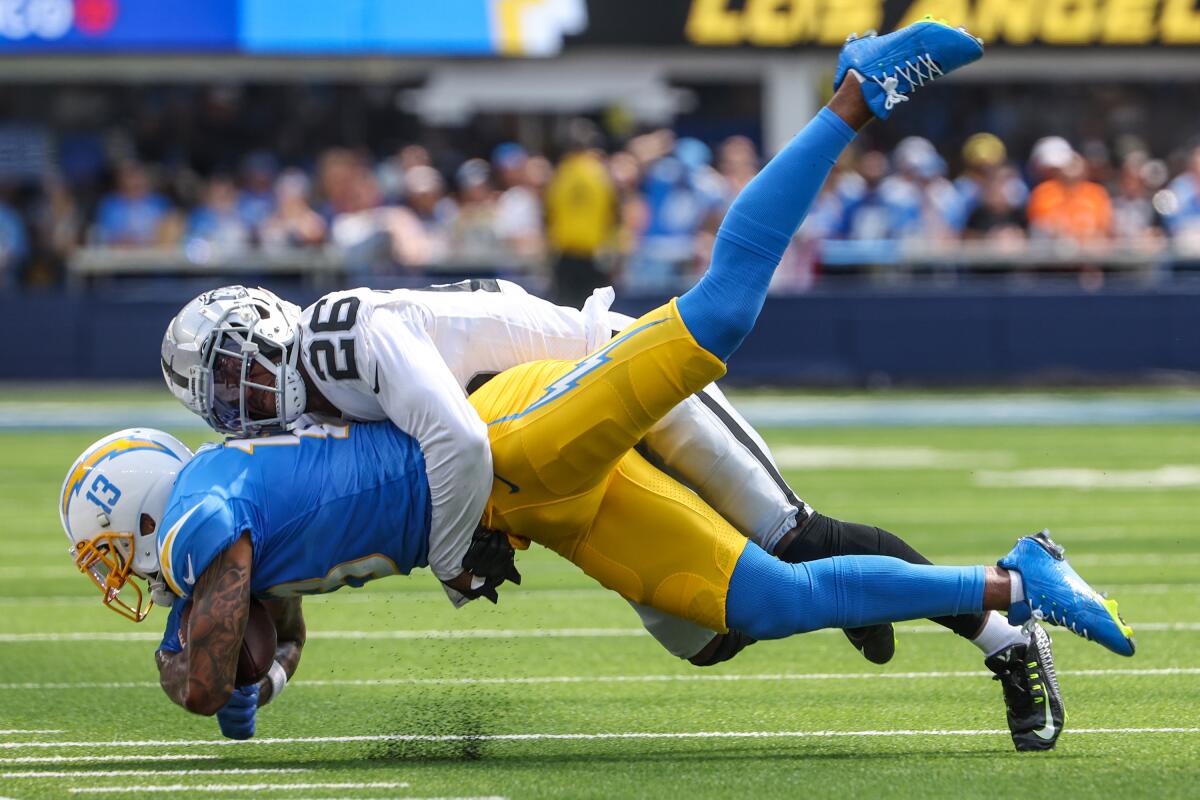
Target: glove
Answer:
pixel 490 558
pixel 236 718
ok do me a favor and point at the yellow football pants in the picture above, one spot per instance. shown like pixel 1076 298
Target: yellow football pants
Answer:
pixel 562 435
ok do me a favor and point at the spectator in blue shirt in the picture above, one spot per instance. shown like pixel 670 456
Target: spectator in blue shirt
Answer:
pixel 256 202
pixel 683 193
pixel 218 222
pixel 920 169
pixel 883 209
pixel 134 215
pixel 1181 205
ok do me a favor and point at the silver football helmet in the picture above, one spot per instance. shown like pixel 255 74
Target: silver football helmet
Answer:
pixel 212 347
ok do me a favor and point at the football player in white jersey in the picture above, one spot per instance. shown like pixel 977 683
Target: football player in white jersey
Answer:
pixel 238 358
pixel 251 363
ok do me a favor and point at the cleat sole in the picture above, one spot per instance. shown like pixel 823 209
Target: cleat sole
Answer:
pixel 1110 605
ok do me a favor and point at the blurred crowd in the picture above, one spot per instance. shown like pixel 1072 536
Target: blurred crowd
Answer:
pixel 642 216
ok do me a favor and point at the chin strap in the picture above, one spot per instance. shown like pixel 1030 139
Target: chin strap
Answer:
pixel 293 392
pixel 160 594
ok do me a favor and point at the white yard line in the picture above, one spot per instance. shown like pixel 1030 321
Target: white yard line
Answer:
pixel 142 773
pixel 830 457
pixel 103 759
pixel 1168 476
pixel 1151 588
pixel 81 685
pixel 58 686
pixel 55 600
pixel 244 787
pixel 527 633
pixel 36 572
pixel 11 731
pixel 571 679
pixel 340 598
pixel 515 633
pixel 723 678
pixel 1093 560
pixel 534 737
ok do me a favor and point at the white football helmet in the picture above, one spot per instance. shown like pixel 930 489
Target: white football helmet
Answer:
pixel 211 345
pixel 108 489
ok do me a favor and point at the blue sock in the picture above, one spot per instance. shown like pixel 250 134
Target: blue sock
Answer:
pixel 721 309
pixel 770 599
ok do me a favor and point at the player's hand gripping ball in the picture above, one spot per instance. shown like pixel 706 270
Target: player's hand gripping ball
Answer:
pixel 258 643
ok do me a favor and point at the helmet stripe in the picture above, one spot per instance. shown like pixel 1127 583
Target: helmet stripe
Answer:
pixel 107 451
pixel 176 378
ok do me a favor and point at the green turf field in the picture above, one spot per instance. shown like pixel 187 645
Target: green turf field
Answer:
pixel 554 693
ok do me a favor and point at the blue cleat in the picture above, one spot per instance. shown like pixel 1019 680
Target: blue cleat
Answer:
pixel 890 67
pixel 1055 593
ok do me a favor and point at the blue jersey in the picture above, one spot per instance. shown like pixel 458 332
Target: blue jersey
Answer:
pixel 326 507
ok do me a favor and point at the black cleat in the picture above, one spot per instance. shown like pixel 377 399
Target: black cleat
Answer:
pixel 727 646
pixel 877 643
pixel 1035 707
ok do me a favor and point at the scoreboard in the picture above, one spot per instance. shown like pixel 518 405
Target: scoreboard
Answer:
pixel 491 28
pixel 778 24
pixel 290 27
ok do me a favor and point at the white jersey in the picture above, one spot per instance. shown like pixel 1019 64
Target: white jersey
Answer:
pixel 412 356
pixel 409 355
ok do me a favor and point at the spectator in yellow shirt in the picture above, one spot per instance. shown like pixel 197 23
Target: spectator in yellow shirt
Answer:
pixel 582 220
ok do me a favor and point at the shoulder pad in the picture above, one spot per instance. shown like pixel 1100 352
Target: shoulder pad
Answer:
pixel 191 539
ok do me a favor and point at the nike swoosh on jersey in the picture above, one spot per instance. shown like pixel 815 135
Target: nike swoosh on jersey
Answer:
pixel 164 552
pixel 376 387
pixel 190 578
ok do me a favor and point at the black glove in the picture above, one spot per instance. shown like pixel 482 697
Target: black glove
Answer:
pixel 490 557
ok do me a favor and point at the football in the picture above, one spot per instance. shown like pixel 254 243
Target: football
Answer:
pixel 258 643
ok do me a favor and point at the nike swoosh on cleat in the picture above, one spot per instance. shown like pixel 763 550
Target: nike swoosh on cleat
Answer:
pixel 1046 731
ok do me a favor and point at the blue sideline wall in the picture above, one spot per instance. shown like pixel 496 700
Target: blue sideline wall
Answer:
pixel 817 338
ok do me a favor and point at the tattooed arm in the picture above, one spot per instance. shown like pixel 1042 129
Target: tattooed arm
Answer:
pixel 289 628
pixel 201 677
pixel 172 673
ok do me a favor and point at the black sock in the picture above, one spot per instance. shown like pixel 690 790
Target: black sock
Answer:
pixel 825 537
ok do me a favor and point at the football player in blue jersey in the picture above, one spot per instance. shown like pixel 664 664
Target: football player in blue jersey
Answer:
pixel 543 432
pixel 444 342
pixel 274 518
pixel 249 363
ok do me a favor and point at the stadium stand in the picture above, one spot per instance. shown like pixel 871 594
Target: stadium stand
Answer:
pixel 181 179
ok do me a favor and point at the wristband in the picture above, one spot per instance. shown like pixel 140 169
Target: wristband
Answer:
pixel 278 679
